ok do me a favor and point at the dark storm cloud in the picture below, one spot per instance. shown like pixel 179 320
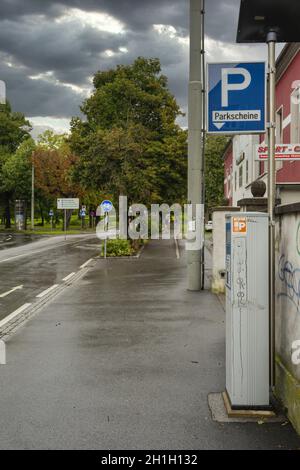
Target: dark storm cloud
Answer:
pixel 33 43
pixel 68 51
pixel 47 99
pixel 138 14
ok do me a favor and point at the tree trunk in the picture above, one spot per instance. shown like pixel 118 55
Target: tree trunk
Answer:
pixel 42 216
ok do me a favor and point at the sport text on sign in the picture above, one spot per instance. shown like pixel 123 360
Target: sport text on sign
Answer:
pixel 282 152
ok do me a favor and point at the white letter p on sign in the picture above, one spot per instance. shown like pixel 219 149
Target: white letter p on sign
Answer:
pixel 226 87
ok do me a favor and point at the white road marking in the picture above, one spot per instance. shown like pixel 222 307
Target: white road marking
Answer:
pixel 86 263
pixel 20 256
pixel 10 291
pixel 13 314
pixel 177 248
pixel 68 277
pixel 42 294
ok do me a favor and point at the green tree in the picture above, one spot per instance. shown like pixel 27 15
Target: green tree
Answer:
pixel 14 129
pixel 53 161
pixel 16 171
pixel 51 141
pixel 214 170
pixel 136 93
pixel 129 142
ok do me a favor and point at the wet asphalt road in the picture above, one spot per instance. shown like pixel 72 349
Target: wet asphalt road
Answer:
pixel 39 265
pixel 11 240
pixel 124 359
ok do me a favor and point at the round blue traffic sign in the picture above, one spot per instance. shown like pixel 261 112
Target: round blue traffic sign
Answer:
pixel 106 206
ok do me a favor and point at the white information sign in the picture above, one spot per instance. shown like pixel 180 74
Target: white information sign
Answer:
pixel 69 203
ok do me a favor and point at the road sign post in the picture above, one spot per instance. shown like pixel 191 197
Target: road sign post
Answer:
pixel 236 98
pixel 51 213
pixel 195 138
pixel 82 215
pixel 65 223
pixel 105 228
pixel 67 204
pixel 106 208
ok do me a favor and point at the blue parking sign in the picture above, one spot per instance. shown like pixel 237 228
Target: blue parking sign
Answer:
pixel 236 101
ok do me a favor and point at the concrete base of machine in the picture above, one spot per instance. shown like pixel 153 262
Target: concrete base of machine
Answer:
pixel 222 413
pixel 247 412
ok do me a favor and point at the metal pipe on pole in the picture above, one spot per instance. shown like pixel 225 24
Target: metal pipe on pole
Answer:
pixel 271 41
pixel 203 134
pixel 65 223
pixel 195 156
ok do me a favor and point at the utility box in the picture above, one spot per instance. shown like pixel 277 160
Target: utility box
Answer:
pixel 247 310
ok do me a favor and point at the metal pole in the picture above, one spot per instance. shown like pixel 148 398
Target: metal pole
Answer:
pixel 32 193
pixel 105 229
pixel 65 223
pixel 271 40
pixel 203 136
pixel 195 160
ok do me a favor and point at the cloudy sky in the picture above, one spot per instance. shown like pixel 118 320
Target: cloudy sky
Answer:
pixel 49 50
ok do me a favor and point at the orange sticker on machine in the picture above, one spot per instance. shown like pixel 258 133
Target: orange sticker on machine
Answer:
pixel 239 225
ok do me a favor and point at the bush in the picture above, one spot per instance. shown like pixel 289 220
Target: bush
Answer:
pixel 118 248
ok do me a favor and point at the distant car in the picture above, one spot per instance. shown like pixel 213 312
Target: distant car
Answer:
pixel 209 226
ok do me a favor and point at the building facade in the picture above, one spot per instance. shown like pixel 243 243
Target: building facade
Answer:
pixel 241 167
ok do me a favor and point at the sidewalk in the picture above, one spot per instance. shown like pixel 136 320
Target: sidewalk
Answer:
pixel 124 359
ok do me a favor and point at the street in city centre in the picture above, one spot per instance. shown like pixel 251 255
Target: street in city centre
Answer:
pixel 149 229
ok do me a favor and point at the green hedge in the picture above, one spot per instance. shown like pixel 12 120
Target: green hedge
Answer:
pixel 118 248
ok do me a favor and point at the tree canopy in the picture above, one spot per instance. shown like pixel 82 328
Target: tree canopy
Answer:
pixel 214 170
pixel 14 130
pixel 130 142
